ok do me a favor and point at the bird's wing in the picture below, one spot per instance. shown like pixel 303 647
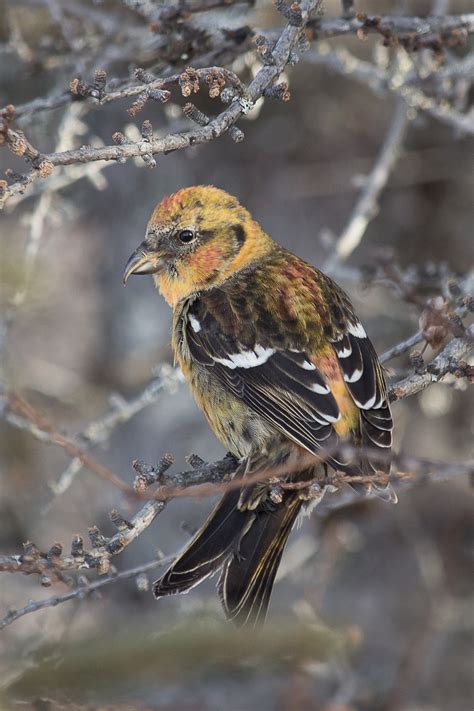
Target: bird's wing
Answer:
pixel 363 376
pixel 294 386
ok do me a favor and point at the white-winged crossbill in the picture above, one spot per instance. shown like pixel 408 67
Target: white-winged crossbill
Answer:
pixel 282 368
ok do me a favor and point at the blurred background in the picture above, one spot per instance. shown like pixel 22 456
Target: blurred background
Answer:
pixel 384 592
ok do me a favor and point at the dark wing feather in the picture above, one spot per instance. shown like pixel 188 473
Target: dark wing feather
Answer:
pixel 273 375
pixel 280 384
pixel 365 381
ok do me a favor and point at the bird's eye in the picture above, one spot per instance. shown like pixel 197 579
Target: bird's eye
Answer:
pixel 186 236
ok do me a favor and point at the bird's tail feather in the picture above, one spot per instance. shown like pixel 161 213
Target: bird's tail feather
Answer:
pixel 209 548
pixel 247 544
pixel 246 582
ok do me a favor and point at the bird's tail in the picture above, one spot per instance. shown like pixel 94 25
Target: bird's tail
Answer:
pixel 246 581
pixel 247 545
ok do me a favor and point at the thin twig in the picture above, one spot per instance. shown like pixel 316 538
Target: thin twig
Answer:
pixel 82 591
pixel 153 146
pixel 394 24
pixel 380 81
pixel 23 415
pixel 122 411
pixel 444 364
pixel 367 205
pixel 37 223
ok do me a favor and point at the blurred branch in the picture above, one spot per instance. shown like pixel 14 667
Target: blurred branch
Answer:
pixel 381 81
pixel 153 13
pixel 393 26
pixel 81 592
pixel 366 207
pixel 37 221
pixel 190 647
pixel 122 411
pixel 21 414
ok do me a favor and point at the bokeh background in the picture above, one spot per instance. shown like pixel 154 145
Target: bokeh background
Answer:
pixel 387 590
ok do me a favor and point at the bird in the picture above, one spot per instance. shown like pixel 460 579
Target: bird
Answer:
pixel 282 369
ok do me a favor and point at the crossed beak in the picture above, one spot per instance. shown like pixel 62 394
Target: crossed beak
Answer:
pixel 142 262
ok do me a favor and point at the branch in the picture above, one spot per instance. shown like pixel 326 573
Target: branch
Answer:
pixel 402 347
pixel 464 307
pixel 21 414
pixel 81 592
pixel 367 205
pixel 205 479
pixel 320 28
pixel 277 58
pixel 425 28
pixel 400 480
pixel 44 164
pixel 52 564
pixel 122 411
pixel 448 362
pixel 381 81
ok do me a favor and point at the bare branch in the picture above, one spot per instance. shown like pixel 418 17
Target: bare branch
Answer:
pixel 52 564
pixel 122 411
pixel 380 81
pixel 82 591
pixel 462 309
pixel 366 207
pixel 393 25
pixel 122 152
pixel 447 362
pixel 22 415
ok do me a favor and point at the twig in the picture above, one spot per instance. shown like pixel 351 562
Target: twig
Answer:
pixel 445 363
pixel 465 287
pixel 380 81
pixel 64 178
pixel 122 411
pixel 393 24
pixel 22 415
pixel 216 127
pixel 82 591
pixel 367 205
pixel 53 563
pixel 401 348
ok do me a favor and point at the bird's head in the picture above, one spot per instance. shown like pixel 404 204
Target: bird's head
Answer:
pixel 195 239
